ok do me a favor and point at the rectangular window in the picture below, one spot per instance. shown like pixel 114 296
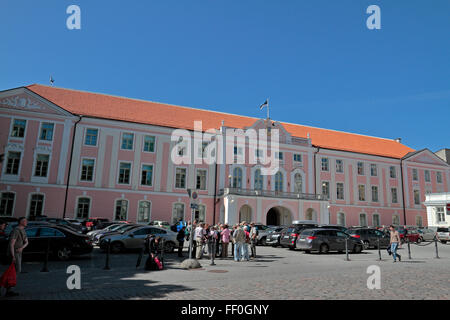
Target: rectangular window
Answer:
pixel 326 189
pixel 440 214
pixel 7 204
pixel 201 179
pixel 180 178
pixel 427 176
pixel 394 195
pixel 147 175
pixel 439 177
pixel 339 166
pixel 149 144
pixel 47 132
pixel 376 220
pixel 41 169
pixel 392 172
pixel 87 170
pixel 373 170
pixel 127 141
pixel 83 208
pixel 360 168
pixel 91 137
pixel 297 157
pixel 18 130
pixel 144 212
pixel 124 173
pixel 36 205
pixel 279 156
pixel 415 175
pixel 325 164
pixel 362 192
pixel 340 191
pixel 416 197
pixel 13 162
pixel 374 194
pixel 121 213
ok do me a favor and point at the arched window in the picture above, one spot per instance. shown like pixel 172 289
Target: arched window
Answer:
pixel 341 219
pixel 298 183
pixel 395 220
pixel 121 210
pixel 278 181
pixel 177 212
pixel 144 211
pixel 237 177
pixel 376 220
pixel 200 213
pixel 258 180
pixel 419 221
pixel 83 208
pixel 362 220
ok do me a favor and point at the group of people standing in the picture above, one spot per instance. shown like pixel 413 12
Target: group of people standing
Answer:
pixel 209 239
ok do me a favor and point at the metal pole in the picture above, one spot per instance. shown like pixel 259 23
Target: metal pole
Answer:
pixel 107 255
pixel 192 233
pixel 213 251
pixel 379 251
pixel 435 244
pixel 409 248
pixel 346 249
pixel 162 250
pixel 45 267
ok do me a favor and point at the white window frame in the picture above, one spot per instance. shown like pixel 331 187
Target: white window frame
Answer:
pixel 138 212
pixel 185 179
pixel 341 166
pixel 133 142
pixel 206 178
pixel 143 143
pixel 153 174
pixel 81 170
pixel 115 206
pixel 76 206
pixel 118 173
pixel 86 134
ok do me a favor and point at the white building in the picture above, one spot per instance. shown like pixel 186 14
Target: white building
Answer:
pixel 438 212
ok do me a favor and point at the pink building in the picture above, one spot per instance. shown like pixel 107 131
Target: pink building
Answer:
pixel 77 154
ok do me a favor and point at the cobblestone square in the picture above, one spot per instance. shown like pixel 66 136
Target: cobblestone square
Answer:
pixel 277 274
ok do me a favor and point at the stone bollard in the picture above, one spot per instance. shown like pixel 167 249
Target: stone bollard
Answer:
pixel 436 245
pixel 379 251
pixel 409 248
pixel 213 251
pixel 346 250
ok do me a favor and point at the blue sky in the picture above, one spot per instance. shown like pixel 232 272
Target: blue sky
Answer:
pixel 315 59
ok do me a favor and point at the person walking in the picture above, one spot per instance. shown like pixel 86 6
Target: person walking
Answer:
pixel 253 239
pixel 239 241
pixel 395 243
pixel 18 241
pixel 199 236
pixel 245 255
pixel 212 240
pixel 225 236
pixel 180 238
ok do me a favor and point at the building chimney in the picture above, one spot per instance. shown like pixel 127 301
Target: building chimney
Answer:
pixel 399 140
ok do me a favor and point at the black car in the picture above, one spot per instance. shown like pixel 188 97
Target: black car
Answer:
pixel 326 240
pixel 333 226
pixel 63 242
pixel 65 223
pixel 273 237
pixel 370 237
pixel 288 237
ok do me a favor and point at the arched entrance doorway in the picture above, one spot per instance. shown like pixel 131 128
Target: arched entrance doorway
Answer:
pixel 278 216
pixel 245 214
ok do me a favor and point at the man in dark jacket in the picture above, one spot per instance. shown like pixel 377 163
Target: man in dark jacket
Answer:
pixel 180 237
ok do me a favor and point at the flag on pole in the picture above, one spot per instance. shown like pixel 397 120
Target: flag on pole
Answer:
pixel 265 104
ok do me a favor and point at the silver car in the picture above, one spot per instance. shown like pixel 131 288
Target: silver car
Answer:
pixel 135 239
pixel 427 234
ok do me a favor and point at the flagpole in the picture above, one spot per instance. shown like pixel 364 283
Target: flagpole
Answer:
pixel 268 112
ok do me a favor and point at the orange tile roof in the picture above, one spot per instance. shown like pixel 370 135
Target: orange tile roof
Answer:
pixel 133 110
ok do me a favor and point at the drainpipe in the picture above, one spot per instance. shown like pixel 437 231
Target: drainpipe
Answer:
pixel 315 171
pixel 403 191
pixel 70 165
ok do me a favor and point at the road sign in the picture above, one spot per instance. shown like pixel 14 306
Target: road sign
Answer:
pixel 194 195
pixel 194 206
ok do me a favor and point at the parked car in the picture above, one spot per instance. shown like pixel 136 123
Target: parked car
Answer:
pixel 263 232
pixel 95 223
pixel 65 223
pixel 63 242
pixel 135 239
pixel 333 226
pixel 443 234
pixel 160 224
pixel 370 237
pixel 427 234
pixel 113 227
pixel 120 230
pixel 288 237
pixel 326 240
pixel 273 237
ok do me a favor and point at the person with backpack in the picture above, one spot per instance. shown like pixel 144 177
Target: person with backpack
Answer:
pixel 253 239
